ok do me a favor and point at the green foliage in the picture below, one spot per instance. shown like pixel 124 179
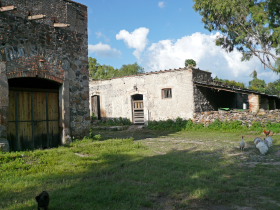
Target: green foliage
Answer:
pixel 93 117
pixel 230 82
pixel 190 63
pixel 99 72
pixel 169 124
pixel 273 88
pixel 98 137
pixel 94 136
pixel 130 69
pixel 174 125
pixel 115 122
pixel 228 126
pixel 257 84
pixel 252 26
pixel 258 126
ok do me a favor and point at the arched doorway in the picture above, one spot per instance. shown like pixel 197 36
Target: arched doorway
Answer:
pixel 33 115
pixel 137 109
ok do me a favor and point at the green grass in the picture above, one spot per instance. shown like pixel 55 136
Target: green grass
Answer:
pixel 151 170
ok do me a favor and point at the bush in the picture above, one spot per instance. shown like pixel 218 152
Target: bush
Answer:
pixel 115 122
pixel 175 125
pixel 234 125
pixel 227 125
pixel 98 137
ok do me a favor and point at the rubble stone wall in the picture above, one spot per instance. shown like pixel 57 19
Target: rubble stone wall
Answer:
pixel 35 48
pixel 247 117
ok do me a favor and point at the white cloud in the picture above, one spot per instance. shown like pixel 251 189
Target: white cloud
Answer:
pixel 169 54
pixel 100 35
pixel 136 39
pixel 161 4
pixel 103 50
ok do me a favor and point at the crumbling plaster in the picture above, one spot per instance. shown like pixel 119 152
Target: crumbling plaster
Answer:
pixel 115 95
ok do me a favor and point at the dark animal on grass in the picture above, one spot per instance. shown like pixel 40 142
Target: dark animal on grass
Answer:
pixel 43 200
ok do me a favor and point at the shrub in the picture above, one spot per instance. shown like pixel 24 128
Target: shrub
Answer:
pixel 234 125
pixel 115 122
pixel 98 137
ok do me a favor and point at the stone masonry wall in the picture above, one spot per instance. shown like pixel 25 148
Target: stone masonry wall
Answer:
pixel 35 48
pixel 263 116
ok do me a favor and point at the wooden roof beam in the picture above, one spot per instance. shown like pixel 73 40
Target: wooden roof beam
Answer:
pixel 35 17
pixel 60 25
pixel 7 8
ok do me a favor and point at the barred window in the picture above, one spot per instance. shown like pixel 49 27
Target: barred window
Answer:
pixel 166 93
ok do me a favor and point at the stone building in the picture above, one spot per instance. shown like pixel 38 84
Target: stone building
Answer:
pixel 170 94
pixel 44 87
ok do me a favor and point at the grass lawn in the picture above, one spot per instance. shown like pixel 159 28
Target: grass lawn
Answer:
pixel 151 170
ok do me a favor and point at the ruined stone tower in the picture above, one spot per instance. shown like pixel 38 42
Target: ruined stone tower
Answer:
pixel 44 86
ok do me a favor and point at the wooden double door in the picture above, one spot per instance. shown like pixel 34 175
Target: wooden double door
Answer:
pixel 33 119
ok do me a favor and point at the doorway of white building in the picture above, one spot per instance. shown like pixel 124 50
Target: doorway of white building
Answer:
pixel 137 109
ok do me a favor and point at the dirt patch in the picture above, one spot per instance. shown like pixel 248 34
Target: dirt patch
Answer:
pixel 83 155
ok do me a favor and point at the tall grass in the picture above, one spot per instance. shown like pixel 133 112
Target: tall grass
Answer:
pixel 229 126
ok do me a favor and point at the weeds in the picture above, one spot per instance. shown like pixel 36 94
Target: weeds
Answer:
pixel 94 136
pixel 229 126
pixel 114 122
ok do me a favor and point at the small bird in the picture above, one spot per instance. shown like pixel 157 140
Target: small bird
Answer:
pixel 242 144
pixel 257 140
pixel 263 148
pixel 268 140
pixel 43 200
pixel 266 132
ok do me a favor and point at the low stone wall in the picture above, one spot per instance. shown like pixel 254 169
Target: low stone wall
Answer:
pixel 263 116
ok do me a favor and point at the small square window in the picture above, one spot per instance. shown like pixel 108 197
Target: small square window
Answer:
pixel 166 93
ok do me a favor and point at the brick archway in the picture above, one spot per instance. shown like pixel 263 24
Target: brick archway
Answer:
pixel 37 82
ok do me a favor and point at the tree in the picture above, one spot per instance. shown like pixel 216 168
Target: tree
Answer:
pixel 229 82
pixel 251 26
pixel 257 84
pixel 105 72
pixel 273 88
pixel 130 69
pixel 99 72
pixel 93 66
pixel 190 63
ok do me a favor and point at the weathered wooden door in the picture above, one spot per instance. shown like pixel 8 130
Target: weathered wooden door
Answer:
pixel 138 111
pixel 33 120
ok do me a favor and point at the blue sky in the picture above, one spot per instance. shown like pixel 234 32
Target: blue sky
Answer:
pixel 160 35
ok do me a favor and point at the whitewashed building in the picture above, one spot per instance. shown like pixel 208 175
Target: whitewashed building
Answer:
pixel 169 94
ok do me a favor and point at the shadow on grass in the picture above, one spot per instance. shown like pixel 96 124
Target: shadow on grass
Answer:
pixel 185 179
pixel 135 133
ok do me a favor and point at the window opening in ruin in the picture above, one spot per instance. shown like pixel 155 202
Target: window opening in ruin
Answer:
pixel 137 109
pixel 166 93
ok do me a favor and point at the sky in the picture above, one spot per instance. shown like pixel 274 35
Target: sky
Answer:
pixel 161 35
